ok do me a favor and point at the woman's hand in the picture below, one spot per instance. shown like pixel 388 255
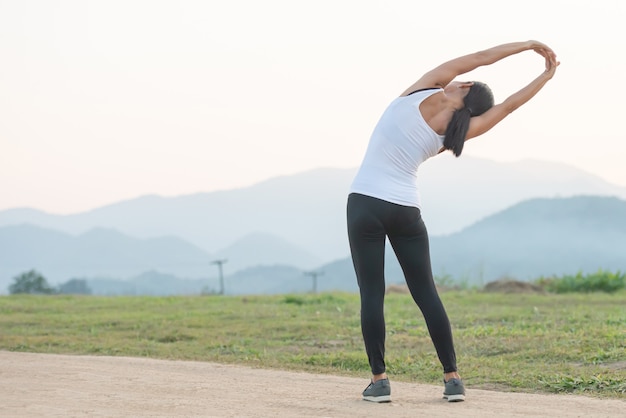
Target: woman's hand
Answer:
pixel 551 64
pixel 549 55
pixel 481 124
pixel 542 49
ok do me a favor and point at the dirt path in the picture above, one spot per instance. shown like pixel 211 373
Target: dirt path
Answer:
pixel 36 385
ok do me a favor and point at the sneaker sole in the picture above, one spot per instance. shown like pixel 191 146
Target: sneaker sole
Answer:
pixel 377 399
pixel 454 398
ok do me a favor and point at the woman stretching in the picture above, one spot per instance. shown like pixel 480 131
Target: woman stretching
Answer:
pixel 435 114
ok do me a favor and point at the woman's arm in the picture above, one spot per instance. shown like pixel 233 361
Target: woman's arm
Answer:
pixel 481 124
pixel 442 75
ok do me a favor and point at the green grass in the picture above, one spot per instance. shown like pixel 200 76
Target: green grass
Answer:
pixel 535 343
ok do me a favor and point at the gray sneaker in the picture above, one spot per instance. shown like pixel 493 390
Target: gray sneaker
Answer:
pixel 378 392
pixel 454 390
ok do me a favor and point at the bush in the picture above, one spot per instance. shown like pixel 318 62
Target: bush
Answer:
pixel 600 281
pixel 75 287
pixel 30 282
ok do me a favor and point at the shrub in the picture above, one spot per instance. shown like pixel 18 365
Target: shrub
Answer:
pixel 30 282
pixel 75 287
pixel 600 281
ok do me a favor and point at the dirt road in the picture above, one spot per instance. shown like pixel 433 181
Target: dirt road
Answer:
pixel 44 385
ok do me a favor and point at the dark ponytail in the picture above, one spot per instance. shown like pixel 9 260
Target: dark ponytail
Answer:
pixel 457 131
pixel 478 100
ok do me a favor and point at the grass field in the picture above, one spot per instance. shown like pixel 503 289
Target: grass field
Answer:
pixel 521 342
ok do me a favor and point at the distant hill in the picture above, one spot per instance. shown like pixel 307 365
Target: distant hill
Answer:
pixel 151 283
pixel 457 192
pixel 308 209
pixel 538 237
pixel 60 257
pixel 533 238
pixel 304 209
pixel 108 253
pixel 259 248
pixel 254 281
pixel 267 280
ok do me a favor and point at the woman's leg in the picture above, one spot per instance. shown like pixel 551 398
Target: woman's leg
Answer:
pixel 409 239
pixel 367 246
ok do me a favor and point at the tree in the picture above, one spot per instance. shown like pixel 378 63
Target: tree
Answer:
pixel 75 287
pixel 30 282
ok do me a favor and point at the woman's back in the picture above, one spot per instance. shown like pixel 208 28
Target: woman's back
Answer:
pixel 400 142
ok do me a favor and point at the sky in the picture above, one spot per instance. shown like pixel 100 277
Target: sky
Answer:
pixel 103 101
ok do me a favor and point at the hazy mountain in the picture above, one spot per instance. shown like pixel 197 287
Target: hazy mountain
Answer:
pixel 308 209
pixel 59 256
pixel 539 237
pixel 253 281
pixel 261 248
pixel 150 283
pixel 115 257
pixel 267 280
pixel 458 192
pixel 305 209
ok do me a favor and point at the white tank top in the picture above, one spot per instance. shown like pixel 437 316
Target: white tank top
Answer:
pixel 401 141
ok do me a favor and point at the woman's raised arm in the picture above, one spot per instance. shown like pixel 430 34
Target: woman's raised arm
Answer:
pixel 443 74
pixel 481 124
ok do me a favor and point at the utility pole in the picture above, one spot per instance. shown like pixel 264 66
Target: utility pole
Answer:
pixel 314 275
pixel 219 266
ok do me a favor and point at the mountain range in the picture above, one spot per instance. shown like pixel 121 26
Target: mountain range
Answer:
pixel 538 237
pixel 97 252
pixel 488 224
pixel 308 209
pixel 255 280
pixel 535 238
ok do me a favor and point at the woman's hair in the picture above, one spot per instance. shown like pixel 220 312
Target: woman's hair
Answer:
pixel 478 100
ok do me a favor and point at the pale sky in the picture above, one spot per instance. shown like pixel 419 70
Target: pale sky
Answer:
pixel 102 101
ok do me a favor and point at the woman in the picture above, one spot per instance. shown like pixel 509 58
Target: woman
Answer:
pixel 435 114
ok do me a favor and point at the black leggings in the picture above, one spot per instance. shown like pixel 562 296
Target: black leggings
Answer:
pixel 370 220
